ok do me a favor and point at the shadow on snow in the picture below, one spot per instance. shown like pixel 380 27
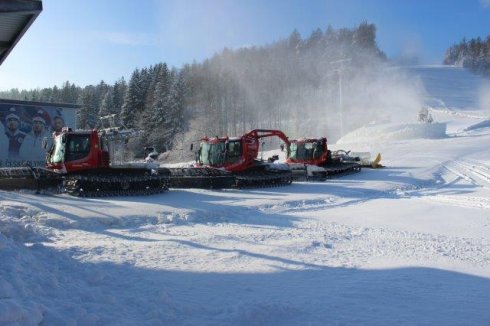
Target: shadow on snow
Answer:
pixel 68 291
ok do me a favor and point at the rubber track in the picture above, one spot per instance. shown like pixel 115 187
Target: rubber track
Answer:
pixel 264 179
pixel 330 172
pixel 343 170
pixel 201 177
pixel 104 186
pixel 16 178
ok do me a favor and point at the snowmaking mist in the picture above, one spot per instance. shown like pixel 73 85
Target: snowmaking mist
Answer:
pixel 484 98
pixel 326 85
pixel 353 97
pixel 348 95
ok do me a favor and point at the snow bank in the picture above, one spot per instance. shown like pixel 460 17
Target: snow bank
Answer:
pixel 480 125
pixel 18 305
pixel 390 132
pixel 21 273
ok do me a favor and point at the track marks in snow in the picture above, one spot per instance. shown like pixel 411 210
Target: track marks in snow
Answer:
pixel 456 180
pixel 342 198
pixel 347 246
pixel 299 205
pixel 460 201
pixel 475 172
pixel 453 183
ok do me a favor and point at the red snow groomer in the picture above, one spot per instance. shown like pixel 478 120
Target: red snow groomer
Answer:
pixel 310 159
pixel 239 155
pixel 83 163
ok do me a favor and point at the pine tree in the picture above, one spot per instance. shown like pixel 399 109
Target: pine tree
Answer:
pixel 133 101
pixel 365 36
pixel 314 39
pixel 145 83
pixel 107 105
pixel 118 94
pixel 69 93
pixel 88 114
pixel 473 54
pixel 294 40
pixel 56 98
pixel 178 95
pixel 157 118
pixel 66 93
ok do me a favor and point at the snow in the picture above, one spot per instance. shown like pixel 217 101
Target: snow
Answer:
pixel 479 125
pixel 406 244
pixel 391 132
pixel 450 87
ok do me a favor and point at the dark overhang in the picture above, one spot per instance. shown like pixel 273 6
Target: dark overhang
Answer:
pixel 32 103
pixel 16 16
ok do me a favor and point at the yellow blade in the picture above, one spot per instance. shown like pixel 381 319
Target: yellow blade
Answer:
pixel 375 164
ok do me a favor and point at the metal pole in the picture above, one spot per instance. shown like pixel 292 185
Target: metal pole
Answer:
pixel 340 64
pixel 340 105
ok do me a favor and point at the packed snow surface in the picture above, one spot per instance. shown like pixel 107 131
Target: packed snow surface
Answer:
pixel 406 244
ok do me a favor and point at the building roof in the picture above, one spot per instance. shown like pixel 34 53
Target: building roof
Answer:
pixel 33 103
pixel 16 16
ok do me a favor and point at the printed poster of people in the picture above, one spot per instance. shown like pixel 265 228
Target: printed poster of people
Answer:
pixel 23 128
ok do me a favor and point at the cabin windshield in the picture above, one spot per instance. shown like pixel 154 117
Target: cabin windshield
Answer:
pixel 233 151
pixel 305 151
pixel 77 147
pixel 212 154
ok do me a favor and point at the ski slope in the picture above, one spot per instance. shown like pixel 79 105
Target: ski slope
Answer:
pixel 450 87
pixel 407 244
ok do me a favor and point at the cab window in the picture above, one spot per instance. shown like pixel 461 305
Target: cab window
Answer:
pixel 77 147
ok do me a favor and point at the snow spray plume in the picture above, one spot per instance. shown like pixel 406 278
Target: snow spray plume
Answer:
pixel 326 85
pixel 484 98
pixel 328 97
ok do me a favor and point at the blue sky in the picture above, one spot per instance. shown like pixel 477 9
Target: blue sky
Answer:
pixel 86 41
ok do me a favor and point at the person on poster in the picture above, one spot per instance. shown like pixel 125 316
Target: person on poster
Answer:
pixel 14 135
pixel 31 148
pixel 4 141
pixel 58 122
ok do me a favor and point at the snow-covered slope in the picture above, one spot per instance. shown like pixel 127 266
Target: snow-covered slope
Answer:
pixel 449 92
pixel 451 87
pixel 407 244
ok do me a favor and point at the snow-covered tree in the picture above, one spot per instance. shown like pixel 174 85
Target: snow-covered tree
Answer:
pixel 473 54
pixel 88 117
pixel 107 105
pixel 133 101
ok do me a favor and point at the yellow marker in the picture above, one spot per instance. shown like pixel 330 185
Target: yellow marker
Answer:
pixel 375 164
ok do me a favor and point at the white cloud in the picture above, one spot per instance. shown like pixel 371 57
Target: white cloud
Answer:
pixel 485 3
pixel 131 39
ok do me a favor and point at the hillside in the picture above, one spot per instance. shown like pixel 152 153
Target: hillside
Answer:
pixel 451 87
